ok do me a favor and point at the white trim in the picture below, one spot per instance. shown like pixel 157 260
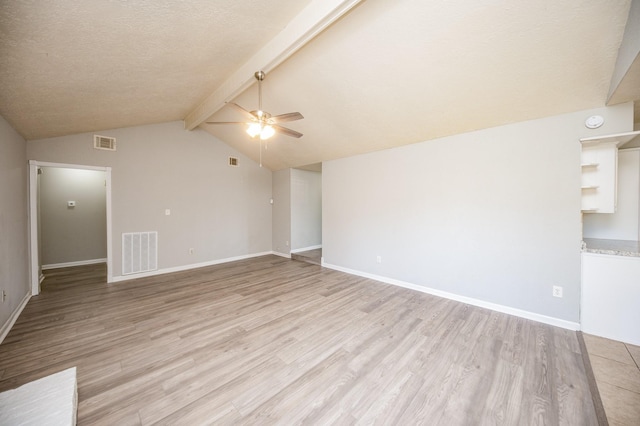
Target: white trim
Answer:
pixel 6 328
pixel 42 277
pixel 319 246
pixel 109 227
pixel 187 267
pixel 34 262
pixel 67 166
pixel 468 300
pixel 288 256
pixel 77 263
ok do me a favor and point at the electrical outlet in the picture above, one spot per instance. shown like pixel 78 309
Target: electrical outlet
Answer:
pixel 286 243
pixel 192 250
pixel 378 259
pixel 557 291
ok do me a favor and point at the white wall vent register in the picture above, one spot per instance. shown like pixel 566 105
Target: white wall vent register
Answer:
pixel 139 252
pixel 104 142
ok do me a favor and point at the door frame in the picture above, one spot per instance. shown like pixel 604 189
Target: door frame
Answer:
pixel 34 262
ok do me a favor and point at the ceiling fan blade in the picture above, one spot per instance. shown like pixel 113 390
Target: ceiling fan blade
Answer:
pixel 242 110
pixel 291 116
pixel 225 122
pixel 286 131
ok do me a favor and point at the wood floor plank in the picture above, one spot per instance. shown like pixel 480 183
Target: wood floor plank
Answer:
pixel 274 341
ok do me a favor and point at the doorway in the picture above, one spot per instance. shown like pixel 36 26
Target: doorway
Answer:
pixel 65 209
pixel 306 213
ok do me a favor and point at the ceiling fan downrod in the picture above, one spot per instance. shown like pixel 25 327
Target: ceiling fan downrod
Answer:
pixel 259 75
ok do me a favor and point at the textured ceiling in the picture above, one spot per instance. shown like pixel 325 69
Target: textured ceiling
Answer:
pixel 73 66
pixel 393 73
pixel 386 74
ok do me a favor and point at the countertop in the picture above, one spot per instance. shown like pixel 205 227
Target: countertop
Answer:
pixel 613 247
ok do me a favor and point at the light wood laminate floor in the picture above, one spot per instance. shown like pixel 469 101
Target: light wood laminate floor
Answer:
pixel 274 341
pixel 311 256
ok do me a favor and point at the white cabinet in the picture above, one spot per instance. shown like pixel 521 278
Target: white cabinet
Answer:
pixel 611 297
pixel 624 224
pixel 599 171
pixel 599 166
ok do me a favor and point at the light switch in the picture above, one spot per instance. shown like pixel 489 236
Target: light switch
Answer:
pixel 167 212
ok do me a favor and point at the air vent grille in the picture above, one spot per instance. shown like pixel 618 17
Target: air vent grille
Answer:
pixel 104 142
pixel 233 161
pixel 139 252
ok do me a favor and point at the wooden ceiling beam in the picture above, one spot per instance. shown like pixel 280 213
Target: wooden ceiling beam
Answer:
pixel 313 19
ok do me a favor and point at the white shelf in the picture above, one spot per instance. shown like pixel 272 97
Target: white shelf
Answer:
pixel 589 210
pixel 619 139
pixel 599 157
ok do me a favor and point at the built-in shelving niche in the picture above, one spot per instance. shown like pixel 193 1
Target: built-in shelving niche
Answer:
pixel 599 171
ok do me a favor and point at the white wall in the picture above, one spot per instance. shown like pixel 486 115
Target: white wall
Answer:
pixel 282 211
pixel 220 211
pixel 14 274
pixel 306 209
pixel 72 234
pixel 492 215
pixel 624 224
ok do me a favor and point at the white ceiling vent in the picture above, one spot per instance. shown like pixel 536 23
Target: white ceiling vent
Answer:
pixel 233 161
pixel 104 142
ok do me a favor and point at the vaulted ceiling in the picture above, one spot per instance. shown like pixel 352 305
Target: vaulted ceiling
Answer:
pixel 367 75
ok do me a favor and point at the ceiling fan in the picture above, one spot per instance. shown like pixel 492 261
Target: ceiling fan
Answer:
pixel 260 123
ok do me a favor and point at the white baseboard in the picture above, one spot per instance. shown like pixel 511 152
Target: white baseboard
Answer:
pixel 306 248
pixel 288 256
pixel 186 267
pixel 69 264
pixel 468 300
pixel 6 328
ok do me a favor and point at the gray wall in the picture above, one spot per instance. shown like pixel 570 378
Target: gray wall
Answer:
pixel 282 211
pixel 218 210
pixel 492 215
pixel 14 275
pixel 72 234
pixel 306 209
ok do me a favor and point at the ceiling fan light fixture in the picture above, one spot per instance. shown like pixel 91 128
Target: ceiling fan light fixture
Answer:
pixel 267 132
pixel 254 129
pixel 261 123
